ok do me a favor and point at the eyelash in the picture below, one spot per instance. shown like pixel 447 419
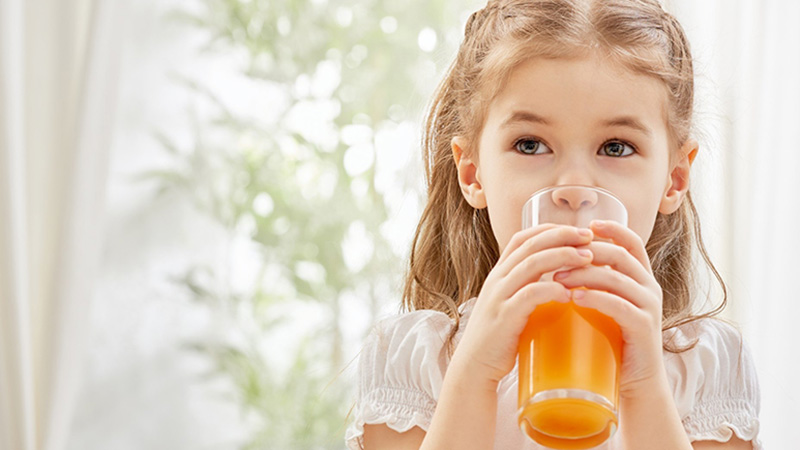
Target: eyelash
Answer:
pixel 609 141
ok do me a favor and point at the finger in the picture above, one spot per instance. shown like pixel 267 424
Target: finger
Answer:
pixel 558 236
pixel 531 269
pixel 624 237
pixel 609 280
pixel 619 259
pixel 520 306
pixel 521 237
pixel 627 316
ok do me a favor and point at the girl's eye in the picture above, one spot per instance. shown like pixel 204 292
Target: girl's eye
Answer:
pixel 618 149
pixel 529 146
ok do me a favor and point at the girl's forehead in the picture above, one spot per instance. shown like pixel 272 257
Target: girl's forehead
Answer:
pixel 580 89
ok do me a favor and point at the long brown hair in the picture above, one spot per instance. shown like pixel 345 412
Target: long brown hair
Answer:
pixel 454 247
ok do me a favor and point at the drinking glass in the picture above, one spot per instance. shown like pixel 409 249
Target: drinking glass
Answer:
pixel 570 356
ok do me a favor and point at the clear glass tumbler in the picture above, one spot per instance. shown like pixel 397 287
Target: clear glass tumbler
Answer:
pixel 570 356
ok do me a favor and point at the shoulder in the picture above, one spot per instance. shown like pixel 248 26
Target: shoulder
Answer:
pixel 421 330
pixel 719 359
pixel 422 327
pixel 406 351
pixel 719 352
pixel 711 332
pixel 715 383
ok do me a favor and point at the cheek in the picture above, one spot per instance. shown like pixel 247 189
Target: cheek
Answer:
pixel 505 218
pixel 505 212
pixel 642 218
pixel 506 193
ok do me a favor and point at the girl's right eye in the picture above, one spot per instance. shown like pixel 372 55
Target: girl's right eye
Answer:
pixel 529 146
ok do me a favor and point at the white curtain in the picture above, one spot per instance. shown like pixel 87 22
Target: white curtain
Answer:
pixel 748 72
pixel 58 71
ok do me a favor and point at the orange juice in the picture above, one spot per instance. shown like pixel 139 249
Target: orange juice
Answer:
pixel 569 365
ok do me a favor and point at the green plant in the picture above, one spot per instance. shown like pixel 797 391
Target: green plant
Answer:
pixel 299 192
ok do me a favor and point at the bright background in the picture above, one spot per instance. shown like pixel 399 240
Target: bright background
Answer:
pixel 257 199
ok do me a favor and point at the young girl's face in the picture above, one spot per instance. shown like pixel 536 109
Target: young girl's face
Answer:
pixel 574 121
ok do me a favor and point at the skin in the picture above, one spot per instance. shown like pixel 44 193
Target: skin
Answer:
pixel 572 145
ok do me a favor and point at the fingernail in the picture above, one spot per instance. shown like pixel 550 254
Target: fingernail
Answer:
pixel 584 232
pixel 561 275
pixel 585 252
pixel 578 294
pixel 598 223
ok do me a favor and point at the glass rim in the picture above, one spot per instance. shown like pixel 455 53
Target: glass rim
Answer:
pixel 584 186
pixel 537 196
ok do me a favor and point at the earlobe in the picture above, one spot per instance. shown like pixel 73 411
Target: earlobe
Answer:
pixel 468 173
pixel 678 182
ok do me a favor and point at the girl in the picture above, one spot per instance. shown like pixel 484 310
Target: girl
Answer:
pixel 542 93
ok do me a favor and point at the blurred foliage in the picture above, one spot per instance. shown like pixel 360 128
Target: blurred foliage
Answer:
pixel 297 188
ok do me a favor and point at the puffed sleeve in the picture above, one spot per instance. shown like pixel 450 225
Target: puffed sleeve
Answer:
pixel 400 373
pixel 715 383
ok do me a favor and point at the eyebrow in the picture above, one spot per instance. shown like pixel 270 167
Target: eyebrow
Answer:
pixel 622 121
pixel 630 122
pixel 524 116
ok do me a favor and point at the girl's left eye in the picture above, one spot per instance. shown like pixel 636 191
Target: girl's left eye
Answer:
pixel 618 149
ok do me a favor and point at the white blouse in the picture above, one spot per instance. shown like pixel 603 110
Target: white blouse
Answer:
pixel 402 366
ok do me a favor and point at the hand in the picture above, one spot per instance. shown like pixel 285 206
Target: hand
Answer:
pixel 511 291
pixel 621 285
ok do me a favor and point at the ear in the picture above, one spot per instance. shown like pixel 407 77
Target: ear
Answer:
pixel 468 174
pixel 678 183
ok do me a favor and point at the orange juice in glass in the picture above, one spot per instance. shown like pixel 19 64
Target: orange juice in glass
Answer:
pixel 570 356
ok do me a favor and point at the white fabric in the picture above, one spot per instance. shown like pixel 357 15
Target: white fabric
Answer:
pixel 748 66
pixel 58 64
pixel 402 366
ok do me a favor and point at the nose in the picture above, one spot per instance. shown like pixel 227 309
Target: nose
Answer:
pixel 574 197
